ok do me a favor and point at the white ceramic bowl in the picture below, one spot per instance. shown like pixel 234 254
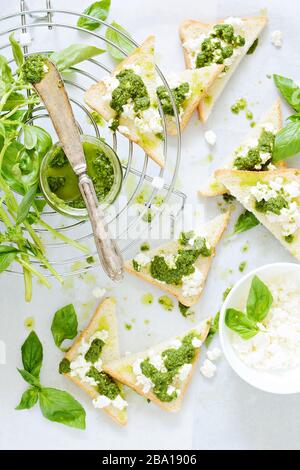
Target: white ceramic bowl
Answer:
pixel 280 382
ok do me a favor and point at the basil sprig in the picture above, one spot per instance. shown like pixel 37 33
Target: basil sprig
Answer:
pixel 64 324
pixel 258 306
pixel 56 405
pixel 287 141
pixel 99 10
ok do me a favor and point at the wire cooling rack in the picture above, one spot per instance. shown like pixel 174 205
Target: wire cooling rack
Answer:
pixel 50 29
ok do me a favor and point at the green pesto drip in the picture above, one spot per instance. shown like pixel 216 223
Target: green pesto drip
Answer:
pixel 147 299
pixel 214 51
pixel 35 68
pixel 63 182
pixel 252 159
pixel 173 360
pixel 166 302
pixel 130 89
pixel 253 47
pixel 105 384
pixel 179 94
pixel 94 352
pixel 64 366
pixel 289 238
pixel 242 266
pixel 274 205
pixel 184 262
pixel 240 105
pixel 145 246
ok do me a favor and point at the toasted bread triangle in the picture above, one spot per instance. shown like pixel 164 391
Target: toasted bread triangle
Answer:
pixel 144 58
pixel 191 29
pixel 213 232
pixel 103 318
pixel 273 116
pixel 239 184
pixel 122 369
pixel 200 80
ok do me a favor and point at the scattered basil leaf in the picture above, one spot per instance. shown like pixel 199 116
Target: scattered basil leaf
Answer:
pixel 64 324
pixel 259 300
pixel 73 55
pixel 26 203
pixel 289 90
pixel 253 47
pixel 32 354
pixel 15 99
pixel 246 221
pixel 6 75
pixel 28 399
pixel 214 328
pixel 240 323
pixel 120 41
pixel 29 378
pixel 99 10
pixel 17 51
pixel 61 407
pixel 287 141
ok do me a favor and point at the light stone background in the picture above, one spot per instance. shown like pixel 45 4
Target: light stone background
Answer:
pixel 221 413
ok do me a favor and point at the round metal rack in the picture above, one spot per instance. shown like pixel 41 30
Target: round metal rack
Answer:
pixel 127 218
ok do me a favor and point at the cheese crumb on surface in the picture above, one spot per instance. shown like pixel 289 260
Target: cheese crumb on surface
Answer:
pixel 214 354
pixel 158 182
pixel 210 137
pixel 142 259
pixel 276 38
pixel 208 369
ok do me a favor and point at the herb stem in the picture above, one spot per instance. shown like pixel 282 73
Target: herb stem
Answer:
pixel 63 237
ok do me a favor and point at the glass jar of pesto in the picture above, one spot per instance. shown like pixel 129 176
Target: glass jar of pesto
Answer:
pixel 59 183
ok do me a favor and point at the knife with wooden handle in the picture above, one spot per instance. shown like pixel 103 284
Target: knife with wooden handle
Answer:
pixel 52 91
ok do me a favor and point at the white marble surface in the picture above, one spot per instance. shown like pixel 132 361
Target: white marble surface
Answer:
pixel 221 413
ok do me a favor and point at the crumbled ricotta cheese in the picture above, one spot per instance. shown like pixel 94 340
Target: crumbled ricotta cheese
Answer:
pixel 214 354
pixel 192 284
pixel 210 137
pixel 276 38
pixel 170 260
pixel 119 403
pixel 171 389
pixel 150 122
pixel 175 344
pixel 99 292
pixel 101 401
pixel 234 21
pixel 142 259
pixel 157 361
pixel 269 127
pixel 111 83
pixel 184 371
pixel 208 369
pixel 196 343
pixel 124 130
pixel 278 345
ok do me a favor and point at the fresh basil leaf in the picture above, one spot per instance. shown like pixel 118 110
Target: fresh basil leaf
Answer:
pixel 294 117
pixel 73 55
pixel 8 249
pixel 120 41
pixel 28 399
pixel 287 142
pixel 259 300
pixel 26 203
pixel 6 259
pixel 253 47
pixel 2 129
pixel 30 137
pixel 246 221
pixel 99 10
pixel 15 99
pixel 61 407
pixel 29 378
pixel 6 75
pixel 240 323
pixel 32 354
pixel 289 90
pixel 214 328
pixel 64 324
pixel 17 51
